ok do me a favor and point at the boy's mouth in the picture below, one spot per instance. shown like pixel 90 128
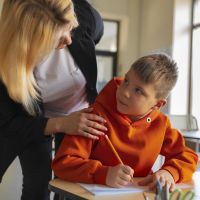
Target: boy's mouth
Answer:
pixel 122 103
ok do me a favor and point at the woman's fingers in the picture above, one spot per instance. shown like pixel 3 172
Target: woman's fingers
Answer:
pixel 91 116
pixel 90 132
pixel 94 117
pixel 92 123
pixel 93 131
pixel 96 125
pixel 88 135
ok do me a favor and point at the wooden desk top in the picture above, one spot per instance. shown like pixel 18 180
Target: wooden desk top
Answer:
pixel 76 192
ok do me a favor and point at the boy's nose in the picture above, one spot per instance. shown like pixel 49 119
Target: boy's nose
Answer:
pixel 126 93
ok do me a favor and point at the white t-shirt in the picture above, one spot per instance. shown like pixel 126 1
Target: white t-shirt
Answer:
pixel 62 84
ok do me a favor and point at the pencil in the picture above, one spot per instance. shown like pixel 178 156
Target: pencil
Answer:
pixel 145 196
pixel 113 149
pixel 115 152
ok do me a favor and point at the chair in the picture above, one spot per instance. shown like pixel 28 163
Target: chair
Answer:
pixel 186 124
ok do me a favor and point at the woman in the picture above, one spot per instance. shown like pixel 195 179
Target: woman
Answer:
pixel 30 32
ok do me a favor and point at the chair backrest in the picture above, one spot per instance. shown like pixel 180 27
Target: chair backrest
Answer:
pixel 184 122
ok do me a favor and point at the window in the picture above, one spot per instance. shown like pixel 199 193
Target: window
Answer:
pixel 179 98
pixel 107 51
pixel 195 62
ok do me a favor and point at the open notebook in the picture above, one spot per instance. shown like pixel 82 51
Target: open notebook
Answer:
pixel 96 189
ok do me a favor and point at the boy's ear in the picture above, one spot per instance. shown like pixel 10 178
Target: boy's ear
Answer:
pixel 160 104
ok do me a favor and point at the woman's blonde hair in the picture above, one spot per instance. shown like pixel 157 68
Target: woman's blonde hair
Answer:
pixel 29 31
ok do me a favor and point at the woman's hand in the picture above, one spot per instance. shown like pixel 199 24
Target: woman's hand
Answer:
pixel 163 176
pixel 119 175
pixel 82 123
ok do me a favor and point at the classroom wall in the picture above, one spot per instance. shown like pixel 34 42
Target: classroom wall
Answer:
pixel 127 12
pixel 146 26
pixel 1 2
pixel 156 26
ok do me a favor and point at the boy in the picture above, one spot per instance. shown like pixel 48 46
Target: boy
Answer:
pixel 137 129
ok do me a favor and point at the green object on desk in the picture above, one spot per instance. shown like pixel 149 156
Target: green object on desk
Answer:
pixel 162 193
pixel 189 195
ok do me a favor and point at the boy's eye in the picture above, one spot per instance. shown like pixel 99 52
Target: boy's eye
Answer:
pixel 125 81
pixel 138 91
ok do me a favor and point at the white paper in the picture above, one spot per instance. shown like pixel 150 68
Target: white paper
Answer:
pixel 183 185
pixel 96 189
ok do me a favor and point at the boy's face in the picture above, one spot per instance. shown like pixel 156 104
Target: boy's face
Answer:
pixel 134 97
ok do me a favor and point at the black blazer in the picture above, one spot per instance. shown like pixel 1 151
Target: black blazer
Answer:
pixel 85 37
pixel 17 128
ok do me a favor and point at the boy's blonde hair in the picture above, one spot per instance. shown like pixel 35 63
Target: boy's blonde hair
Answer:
pixel 159 69
pixel 29 31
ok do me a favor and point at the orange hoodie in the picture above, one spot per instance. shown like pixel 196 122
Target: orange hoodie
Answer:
pixel 80 159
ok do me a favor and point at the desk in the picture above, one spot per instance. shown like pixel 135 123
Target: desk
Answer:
pixel 191 134
pixel 194 136
pixel 73 191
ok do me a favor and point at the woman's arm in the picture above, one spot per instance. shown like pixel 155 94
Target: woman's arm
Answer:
pixel 90 21
pixel 16 123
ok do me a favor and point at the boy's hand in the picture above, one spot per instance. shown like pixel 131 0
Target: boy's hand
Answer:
pixel 163 176
pixel 119 176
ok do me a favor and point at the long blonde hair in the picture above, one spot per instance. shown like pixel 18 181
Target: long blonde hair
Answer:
pixel 29 32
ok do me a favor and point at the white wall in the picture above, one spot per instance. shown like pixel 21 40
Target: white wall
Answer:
pixel 156 24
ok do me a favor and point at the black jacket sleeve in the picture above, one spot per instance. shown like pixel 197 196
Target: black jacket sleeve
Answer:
pixel 84 38
pixel 17 129
pixel 90 21
pixel 16 123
